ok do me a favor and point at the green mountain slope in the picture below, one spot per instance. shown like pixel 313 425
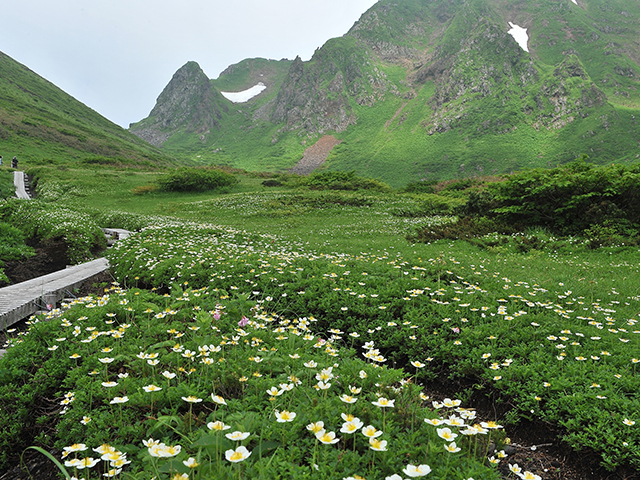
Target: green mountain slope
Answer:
pixel 41 123
pixel 422 89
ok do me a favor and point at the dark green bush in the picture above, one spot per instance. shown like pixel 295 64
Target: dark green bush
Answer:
pixel 188 179
pixel 272 183
pixel 567 200
pixel 430 204
pixel 465 228
pixel 342 181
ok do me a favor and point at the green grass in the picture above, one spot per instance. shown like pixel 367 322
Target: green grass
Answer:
pixel 551 331
pixel 7 188
pixel 43 124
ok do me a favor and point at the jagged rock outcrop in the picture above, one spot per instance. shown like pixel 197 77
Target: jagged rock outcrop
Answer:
pixel 302 103
pixel 427 83
pixel 188 103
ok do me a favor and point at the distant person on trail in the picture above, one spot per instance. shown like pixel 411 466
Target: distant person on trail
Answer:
pixel 0 160
pixel 14 162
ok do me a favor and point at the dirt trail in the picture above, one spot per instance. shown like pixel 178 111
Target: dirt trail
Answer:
pixel 315 155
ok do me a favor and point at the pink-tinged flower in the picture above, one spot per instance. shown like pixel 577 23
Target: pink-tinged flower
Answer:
pixel 243 322
pixel 237 455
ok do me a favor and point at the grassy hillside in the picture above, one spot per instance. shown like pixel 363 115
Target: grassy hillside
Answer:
pixel 40 123
pixel 432 89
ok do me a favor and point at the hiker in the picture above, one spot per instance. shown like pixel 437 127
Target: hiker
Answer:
pixel 14 162
pixel 0 160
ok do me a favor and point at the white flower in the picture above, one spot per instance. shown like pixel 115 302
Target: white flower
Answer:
pixel 237 455
pixel 416 470
pixel 383 402
pixel 218 425
pixel 285 416
pixel 237 436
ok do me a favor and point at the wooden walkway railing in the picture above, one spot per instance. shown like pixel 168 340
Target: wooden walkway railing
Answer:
pixel 25 298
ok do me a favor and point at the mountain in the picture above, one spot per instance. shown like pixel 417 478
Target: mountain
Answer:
pixel 39 123
pixel 421 89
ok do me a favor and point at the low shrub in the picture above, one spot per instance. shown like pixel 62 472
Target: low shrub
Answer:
pixel 272 183
pixel 465 228
pixel 430 204
pixel 189 179
pixel 569 199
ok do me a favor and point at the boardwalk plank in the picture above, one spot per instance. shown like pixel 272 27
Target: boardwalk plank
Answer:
pixel 23 299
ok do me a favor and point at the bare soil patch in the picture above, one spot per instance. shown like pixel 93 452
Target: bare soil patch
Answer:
pixel 315 155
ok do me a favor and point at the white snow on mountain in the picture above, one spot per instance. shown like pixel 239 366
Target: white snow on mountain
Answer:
pixel 520 35
pixel 245 95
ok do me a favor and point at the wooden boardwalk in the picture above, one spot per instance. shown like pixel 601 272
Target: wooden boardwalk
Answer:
pixel 18 182
pixel 24 299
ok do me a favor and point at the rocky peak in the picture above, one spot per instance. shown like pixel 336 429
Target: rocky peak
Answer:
pixel 188 103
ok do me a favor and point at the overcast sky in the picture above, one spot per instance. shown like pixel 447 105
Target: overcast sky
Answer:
pixel 116 56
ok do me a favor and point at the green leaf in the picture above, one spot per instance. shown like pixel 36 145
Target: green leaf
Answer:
pixel 265 448
pixel 50 457
pixel 174 466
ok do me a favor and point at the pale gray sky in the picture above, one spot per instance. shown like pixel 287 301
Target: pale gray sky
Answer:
pixel 116 56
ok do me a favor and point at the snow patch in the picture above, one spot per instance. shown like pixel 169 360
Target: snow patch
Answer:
pixel 574 1
pixel 520 35
pixel 245 95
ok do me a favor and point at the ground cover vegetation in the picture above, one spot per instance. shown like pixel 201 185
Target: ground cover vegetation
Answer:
pixel 241 295
pixel 6 184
